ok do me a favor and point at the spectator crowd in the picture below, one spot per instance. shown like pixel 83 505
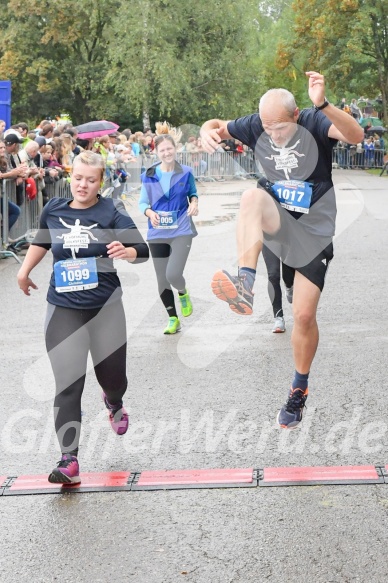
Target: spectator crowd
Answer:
pixel 371 150
pixel 37 159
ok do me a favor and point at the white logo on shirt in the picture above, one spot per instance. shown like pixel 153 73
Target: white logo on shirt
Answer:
pixel 287 159
pixel 78 238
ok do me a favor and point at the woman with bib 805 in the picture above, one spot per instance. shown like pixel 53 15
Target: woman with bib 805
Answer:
pixel 85 311
pixel 169 200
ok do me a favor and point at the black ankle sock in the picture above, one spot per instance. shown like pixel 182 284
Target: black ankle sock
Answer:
pixel 115 406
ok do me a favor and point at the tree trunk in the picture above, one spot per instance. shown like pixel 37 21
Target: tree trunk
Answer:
pixel 81 113
pixel 145 81
pixel 146 117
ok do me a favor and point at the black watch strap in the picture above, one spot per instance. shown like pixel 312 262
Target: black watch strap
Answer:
pixel 324 104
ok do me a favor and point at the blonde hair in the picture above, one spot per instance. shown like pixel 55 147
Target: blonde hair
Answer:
pixel 164 128
pixel 67 143
pixel 104 139
pixel 91 159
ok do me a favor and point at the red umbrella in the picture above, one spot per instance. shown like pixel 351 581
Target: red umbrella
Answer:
pixel 95 129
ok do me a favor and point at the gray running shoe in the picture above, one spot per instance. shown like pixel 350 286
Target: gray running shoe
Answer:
pixel 290 415
pixel 289 294
pixel 279 325
pixel 235 290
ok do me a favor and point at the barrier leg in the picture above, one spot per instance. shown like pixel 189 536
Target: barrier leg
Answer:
pixel 7 253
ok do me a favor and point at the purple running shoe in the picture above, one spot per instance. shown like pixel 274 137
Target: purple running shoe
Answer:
pixel 66 472
pixel 118 417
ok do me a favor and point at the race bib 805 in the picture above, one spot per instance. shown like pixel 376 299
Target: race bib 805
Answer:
pixel 168 220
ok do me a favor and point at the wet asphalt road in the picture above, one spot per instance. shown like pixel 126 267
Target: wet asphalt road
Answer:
pixel 208 398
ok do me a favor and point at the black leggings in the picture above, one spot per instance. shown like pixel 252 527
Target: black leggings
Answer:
pixel 274 264
pixel 169 257
pixel 70 335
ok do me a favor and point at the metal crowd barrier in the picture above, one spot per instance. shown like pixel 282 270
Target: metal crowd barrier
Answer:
pixel 349 157
pixel 133 170
pixel 28 221
pixel 58 189
pixel 116 188
pixel 217 166
pixel 231 166
pixel 220 165
pixel 4 226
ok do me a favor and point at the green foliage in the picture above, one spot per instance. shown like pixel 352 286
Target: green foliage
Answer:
pixel 349 43
pixel 117 59
pixel 54 54
pixel 185 61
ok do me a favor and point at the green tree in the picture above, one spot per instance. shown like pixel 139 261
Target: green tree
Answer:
pixel 274 24
pixel 346 39
pixel 127 60
pixel 185 61
pixel 55 55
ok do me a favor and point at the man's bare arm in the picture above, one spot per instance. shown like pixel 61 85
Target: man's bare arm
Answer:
pixel 345 127
pixel 212 133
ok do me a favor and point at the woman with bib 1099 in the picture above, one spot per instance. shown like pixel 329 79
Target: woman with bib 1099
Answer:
pixel 85 312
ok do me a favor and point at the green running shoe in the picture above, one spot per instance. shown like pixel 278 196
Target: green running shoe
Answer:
pixel 186 305
pixel 173 326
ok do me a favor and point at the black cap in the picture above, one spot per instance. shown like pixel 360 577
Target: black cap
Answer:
pixel 12 139
pixel 40 140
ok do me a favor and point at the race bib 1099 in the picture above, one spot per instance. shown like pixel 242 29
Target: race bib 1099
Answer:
pixel 75 274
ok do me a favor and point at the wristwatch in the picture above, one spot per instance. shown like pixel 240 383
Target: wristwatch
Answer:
pixel 324 104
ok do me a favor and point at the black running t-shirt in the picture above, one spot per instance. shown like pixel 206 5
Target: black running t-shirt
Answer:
pixel 306 157
pixel 84 233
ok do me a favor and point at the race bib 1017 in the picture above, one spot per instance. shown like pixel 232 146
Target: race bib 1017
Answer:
pixel 294 195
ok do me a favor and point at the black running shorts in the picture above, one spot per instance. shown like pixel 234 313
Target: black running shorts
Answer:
pixel 303 251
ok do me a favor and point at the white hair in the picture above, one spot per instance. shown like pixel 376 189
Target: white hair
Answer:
pixel 283 96
pixel 31 146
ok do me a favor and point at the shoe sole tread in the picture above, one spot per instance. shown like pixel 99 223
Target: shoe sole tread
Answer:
pixel 226 291
pixel 57 477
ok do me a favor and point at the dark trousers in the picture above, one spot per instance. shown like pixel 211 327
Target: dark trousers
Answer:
pixel 70 336
pixel 13 213
pixel 277 269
